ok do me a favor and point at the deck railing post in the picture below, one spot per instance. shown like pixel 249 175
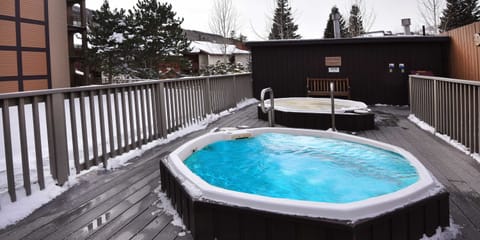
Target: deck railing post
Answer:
pixel 410 81
pixel 207 97
pixel 59 134
pixel 435 105
pixel 7 135
pixel 162 110
pixel 234 88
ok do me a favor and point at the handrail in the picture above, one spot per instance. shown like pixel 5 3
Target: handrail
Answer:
pixel 138 82
pixel 332 103
pixel 270 110
pixel 444 79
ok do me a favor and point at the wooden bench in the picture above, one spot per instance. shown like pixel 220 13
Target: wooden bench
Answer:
pixel 320 87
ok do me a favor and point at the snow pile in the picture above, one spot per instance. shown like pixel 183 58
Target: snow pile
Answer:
pixel 451 232
pixel 117 37
pixel 165 206
pixel 425 126
pixel 24 206
pixel 389 105
pixel 421 124
pixel 215 48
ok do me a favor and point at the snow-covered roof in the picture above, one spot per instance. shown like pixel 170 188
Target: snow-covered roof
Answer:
pixel 215 48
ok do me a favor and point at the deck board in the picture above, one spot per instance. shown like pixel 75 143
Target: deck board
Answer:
pixel 127 194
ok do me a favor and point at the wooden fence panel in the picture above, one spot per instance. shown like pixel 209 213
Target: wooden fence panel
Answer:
pixel 464 55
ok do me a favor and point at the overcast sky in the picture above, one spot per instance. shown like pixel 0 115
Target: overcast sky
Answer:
pixel 310 15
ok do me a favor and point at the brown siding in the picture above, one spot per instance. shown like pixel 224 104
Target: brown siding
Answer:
pixel 34 63
pixel 33 35
pixel 32 9
pixel 7 7
pixel 8 63
pixel 10 86
pixel 464 55
pixel 30 85
pixel 7 33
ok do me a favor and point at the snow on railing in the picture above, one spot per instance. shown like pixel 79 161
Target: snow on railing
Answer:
pixel 41 139
pixel 450 106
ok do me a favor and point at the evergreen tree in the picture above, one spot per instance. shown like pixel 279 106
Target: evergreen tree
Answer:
pixel 283 26
pixel 105 36
pixel 459 13
pixel 154 36
pixel 355 22
pixel 329 32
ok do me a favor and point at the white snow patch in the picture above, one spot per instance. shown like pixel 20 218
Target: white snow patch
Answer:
pixel 451 232
pixel 78 72
pixel 117 37
pixel 10 212
pixel 388 105
pixel 425 126
pixel 165 205
pixel 215 48
pixel 246 102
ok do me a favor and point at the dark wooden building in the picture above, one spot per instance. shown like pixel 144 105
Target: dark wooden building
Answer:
pixel 377 68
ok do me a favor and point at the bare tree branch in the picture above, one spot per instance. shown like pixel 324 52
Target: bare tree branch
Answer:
pixel 223 20
pixel 430 11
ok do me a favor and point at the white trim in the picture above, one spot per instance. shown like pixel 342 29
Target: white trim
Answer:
pixel 351 105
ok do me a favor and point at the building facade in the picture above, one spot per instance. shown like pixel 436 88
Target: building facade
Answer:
pixel 33 45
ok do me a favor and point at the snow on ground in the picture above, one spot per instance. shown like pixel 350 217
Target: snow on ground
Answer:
pixel 421 124
pixel 425 126
pixel 164 206
pixel 24 206
pixel 449 233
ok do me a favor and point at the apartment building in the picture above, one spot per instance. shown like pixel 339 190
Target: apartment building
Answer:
pixel 34 46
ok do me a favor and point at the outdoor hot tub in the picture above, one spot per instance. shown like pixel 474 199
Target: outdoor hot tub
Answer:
pixel 315 113
pixel 316 185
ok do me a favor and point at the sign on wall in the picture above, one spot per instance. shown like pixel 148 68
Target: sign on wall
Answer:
pixel 333 69
pixel 477 39
pixel 333 61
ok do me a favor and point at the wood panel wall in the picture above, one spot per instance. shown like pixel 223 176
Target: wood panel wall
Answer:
pixel 464 55
pixel 24 45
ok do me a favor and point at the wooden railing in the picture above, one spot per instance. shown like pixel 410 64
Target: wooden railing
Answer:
pixel 65 131
pixel 451 106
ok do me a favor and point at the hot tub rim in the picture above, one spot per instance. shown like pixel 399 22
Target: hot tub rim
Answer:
pixel 360 105
pixel 198 188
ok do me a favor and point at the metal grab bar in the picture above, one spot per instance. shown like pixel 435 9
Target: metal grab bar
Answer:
pixel 270 110
pixel 332 90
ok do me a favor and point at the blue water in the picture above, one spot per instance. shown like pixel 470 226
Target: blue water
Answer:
pixel 302 168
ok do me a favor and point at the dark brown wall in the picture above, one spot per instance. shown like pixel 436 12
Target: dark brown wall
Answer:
pixel 285 65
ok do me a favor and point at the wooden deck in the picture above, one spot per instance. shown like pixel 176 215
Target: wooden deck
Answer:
pixel 121 204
